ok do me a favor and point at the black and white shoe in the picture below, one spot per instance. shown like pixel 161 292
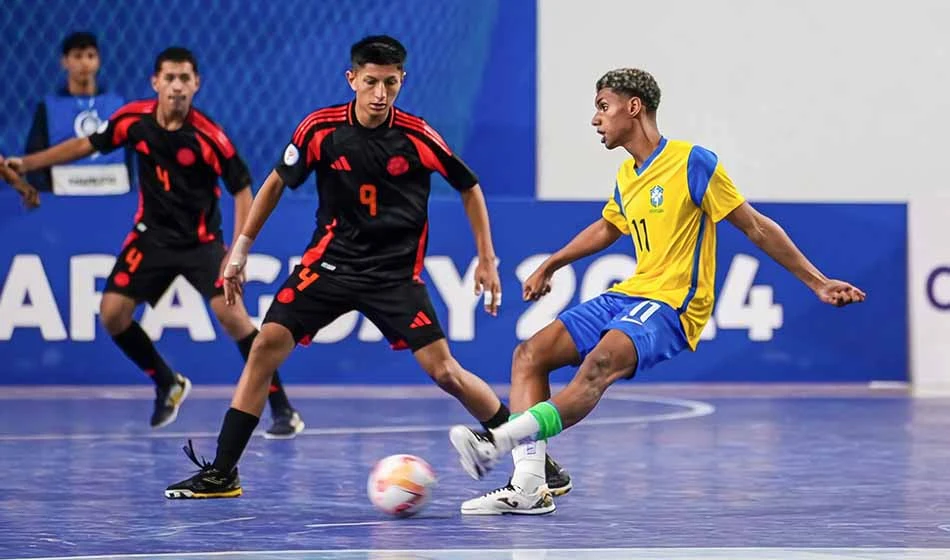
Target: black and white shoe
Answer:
pixel 511 500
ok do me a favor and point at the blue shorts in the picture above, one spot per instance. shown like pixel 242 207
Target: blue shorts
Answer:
pixel 653 326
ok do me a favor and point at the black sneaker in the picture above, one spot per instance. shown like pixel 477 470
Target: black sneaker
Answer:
pixel 558 479
pixel 168 400
pixel 209 482
pixel 286 425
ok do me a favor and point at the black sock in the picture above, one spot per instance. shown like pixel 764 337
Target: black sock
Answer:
pixel 276 397
pixel 135 344
pixel 498 419
pixel 235 433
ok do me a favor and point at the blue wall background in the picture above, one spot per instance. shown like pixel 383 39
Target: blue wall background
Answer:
pixel 266 65
pixel 472 74
pixel 865 244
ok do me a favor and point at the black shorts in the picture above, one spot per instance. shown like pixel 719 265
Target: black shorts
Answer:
pixel 144 271
pixel 309 301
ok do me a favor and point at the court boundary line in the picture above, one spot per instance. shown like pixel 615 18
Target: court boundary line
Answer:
pixel 694 409
pixel 667 550
pixel 356 391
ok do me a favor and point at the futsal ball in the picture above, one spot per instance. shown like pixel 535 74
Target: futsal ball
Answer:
pixel 400 485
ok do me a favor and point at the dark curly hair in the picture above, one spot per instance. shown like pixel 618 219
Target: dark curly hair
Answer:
pixel 633 82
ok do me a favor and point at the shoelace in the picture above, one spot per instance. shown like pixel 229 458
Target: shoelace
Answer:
pixel 502 489
pixel 203 464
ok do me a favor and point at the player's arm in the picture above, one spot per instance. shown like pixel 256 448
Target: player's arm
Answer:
pixel 243 199
pixel 64 152
pixel 486 272
pixel 713 191
pixel 437 156
pixel 260 209
pixel 593 239
pixel 30 196
pixel 473 200
pixel 767 235
pixel 38 139
pixel 237 180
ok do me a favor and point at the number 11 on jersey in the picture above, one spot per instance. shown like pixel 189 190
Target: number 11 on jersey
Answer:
pixel 640 234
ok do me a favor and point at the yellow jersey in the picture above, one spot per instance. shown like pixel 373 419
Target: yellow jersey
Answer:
pixel 669 205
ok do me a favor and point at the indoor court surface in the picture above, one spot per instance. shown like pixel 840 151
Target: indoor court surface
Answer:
pixel 682 472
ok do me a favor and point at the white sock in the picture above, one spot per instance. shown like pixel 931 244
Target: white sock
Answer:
pixel 513 433
pixel 529 466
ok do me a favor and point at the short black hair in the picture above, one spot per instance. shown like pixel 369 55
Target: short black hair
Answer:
pixel 378 49
pixel 175 54
pixel 633 82
pixel 79 40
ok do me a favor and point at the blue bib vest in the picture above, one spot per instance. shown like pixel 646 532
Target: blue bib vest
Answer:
pixel 70 117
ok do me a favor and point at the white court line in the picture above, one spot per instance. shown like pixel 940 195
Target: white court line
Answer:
pixel 693 409
pixel 353 524
pixel 558 554
pixel 175 529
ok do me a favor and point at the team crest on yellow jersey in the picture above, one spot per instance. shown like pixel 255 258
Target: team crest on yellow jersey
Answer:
pixel 656 199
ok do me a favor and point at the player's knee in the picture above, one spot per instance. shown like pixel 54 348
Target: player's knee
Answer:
pixel 114 319
pixel 596 369
pixel 232 319
pixel 448 375
pixel 266 344
pixel 526 361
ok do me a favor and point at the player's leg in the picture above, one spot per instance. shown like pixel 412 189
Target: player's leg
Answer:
pixel 407 318
pixel 287 422
pixel 302 307
pixel 645 333
pixel 405 315
pixel 533 361
pixel 563 342
pixel 470 390
pixel 142 274
pixel 203 264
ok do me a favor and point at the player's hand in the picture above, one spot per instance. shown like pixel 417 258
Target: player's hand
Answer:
pixel 538 284
pixel 839 294
pixel 233 276
pixel 488 281
pixel 233 269
pixel 15 164
pixel 28 194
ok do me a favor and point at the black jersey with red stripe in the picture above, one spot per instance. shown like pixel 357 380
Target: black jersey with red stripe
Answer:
pixel 178 172
pixel 373 186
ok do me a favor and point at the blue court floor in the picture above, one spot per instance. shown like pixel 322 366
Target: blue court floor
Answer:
pixel 660 472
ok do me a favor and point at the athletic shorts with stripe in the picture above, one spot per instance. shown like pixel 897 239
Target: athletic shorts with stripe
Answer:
pixel 309 301
pixel 143 271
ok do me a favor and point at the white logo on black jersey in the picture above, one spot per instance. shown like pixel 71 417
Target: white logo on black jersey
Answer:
pixel 291 155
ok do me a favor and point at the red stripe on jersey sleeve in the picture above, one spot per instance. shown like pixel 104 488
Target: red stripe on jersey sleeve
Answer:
pixel 427 156
pixel 135 108
pixel 420 125
pixel 313 151
pixel 420 254
pixel 210 129
pixel 208 154
pixel 121 132
pixel 329 114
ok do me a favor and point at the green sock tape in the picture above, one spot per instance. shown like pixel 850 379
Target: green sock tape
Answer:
pixel 549 419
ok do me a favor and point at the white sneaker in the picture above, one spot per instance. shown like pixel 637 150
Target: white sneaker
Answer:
pixel 511 500
pixel 476 453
